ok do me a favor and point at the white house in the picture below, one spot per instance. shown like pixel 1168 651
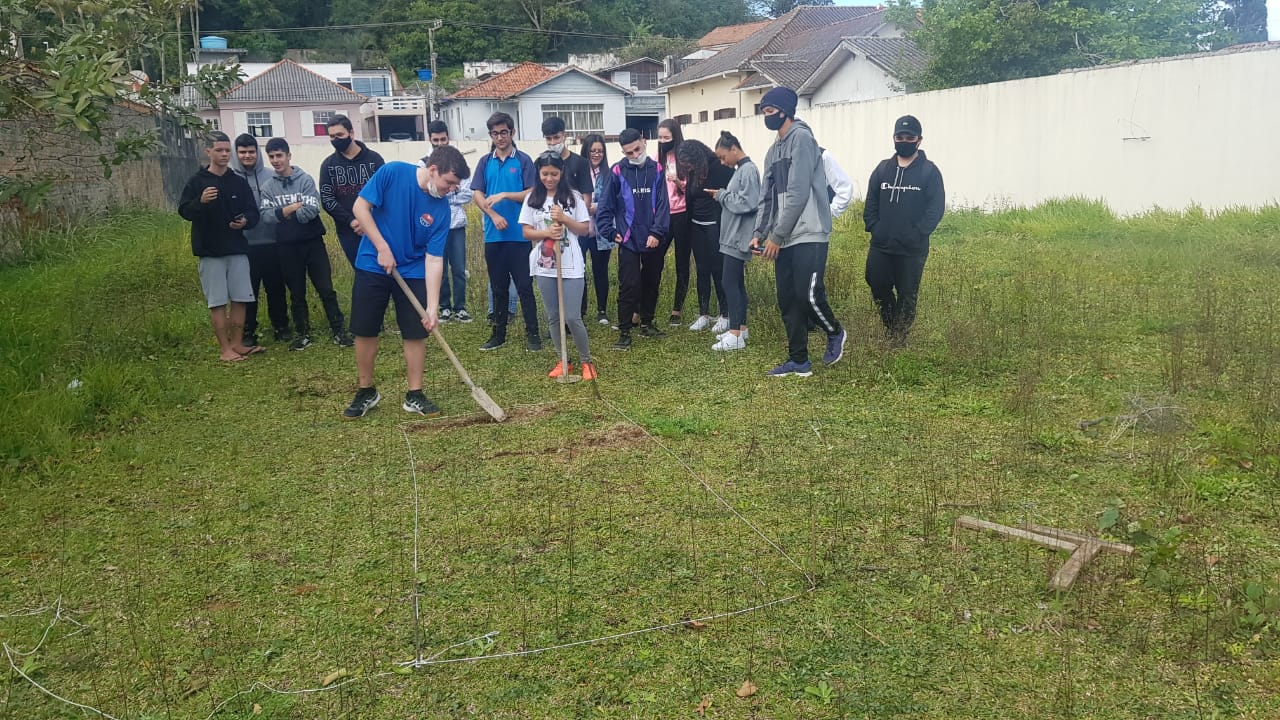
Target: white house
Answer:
pixel 530 93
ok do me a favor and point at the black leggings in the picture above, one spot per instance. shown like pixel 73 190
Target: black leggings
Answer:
pixel 678 235
pixel 599 274
pixel 734 273
pixel 706 253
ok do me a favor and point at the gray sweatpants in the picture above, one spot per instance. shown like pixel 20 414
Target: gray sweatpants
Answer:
pixel 573 288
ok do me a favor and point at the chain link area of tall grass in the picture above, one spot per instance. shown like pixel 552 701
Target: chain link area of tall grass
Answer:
pixel 218 525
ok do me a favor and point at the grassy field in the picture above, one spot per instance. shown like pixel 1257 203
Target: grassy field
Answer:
pixel 184 539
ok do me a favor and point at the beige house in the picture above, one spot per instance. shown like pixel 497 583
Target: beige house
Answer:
pixel 826 54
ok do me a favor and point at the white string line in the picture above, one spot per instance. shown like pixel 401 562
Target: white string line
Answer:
pixel 417 616
pixel 10 651
pixel 592 641
pixel 809 578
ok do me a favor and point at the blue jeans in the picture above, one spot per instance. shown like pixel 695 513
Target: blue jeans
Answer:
pixel 455 268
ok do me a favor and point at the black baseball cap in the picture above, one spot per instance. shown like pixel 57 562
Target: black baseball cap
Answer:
pixel 907 124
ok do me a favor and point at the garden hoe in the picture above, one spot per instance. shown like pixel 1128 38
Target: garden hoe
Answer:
pixel 478 394
pixel 565 377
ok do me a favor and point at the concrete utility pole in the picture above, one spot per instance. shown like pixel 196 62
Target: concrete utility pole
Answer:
pixel 431 44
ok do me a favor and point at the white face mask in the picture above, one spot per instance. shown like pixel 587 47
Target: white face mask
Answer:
pixel 637 160
pixel 558 148
pixel 433 191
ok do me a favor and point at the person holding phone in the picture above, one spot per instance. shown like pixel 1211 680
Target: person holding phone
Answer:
pixel 739 201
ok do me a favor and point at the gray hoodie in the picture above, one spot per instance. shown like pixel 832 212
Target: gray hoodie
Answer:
pixel 739 201
pixel 262 233
pixel 795 208
pixel 283 190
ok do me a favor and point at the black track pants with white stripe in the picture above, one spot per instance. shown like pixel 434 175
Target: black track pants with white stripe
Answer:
pixel 802 294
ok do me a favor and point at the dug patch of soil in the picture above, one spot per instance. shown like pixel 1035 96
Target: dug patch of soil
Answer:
pixel 516 416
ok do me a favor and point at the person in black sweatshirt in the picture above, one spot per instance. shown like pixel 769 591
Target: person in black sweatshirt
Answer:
pixel 219 204
pixel 291 203
pixel 342 176
pixel 905 202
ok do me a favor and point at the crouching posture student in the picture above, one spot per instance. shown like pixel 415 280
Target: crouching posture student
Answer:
pixel 739 201
pixel 555 214
pixel 404 212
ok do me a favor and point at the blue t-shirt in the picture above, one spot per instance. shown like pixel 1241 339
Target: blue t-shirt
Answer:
pixel 493 176
pixel 413 223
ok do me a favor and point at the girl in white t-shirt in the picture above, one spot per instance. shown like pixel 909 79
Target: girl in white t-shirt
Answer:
pixel 555 214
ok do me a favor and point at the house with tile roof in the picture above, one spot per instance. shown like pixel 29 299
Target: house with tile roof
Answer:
pixel 286 100
pixel 530 93
pixel 814 50
pixel 645 106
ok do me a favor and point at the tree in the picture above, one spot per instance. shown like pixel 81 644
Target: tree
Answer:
pixel 969 42
pixel 83 66
pixel 1246 20
pixel 778 8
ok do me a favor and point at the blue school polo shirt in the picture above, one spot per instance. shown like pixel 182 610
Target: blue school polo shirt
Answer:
pixel 413 223
pixel 493 176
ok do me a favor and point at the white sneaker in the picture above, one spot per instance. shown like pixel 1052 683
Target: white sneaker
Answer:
pixel 746 334
pixel 722 325
pixel 702 323
pixel 730 342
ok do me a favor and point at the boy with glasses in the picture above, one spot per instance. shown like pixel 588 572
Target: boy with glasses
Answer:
pixel 502 180
pixel 905 202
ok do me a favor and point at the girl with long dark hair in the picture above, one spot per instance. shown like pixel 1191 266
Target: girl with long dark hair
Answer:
pixel 738 201
pixel 600 249
pixel 670 137
pixel 554 214
pixel 702 172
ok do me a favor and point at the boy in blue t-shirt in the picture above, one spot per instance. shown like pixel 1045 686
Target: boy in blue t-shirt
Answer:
pixel 404 211
pixel 503 179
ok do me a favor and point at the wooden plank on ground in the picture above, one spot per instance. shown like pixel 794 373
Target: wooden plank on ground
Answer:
pixel 1111 547
pixel 973 523
pixel 1066 574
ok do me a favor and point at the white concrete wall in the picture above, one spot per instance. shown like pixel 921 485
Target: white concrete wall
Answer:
pixel 1168 133
pixel 466 118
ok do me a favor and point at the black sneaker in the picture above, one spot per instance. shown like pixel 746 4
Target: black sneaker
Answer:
pixel 250 340
pixel 624 342
pixel 674 320
pixel 602 318
pixel 533 343
pixel 300 343
pixel 342 338
pixel 650 331
pixel 495 341
pixel 365 400
pixel 284 335
pixel 416 402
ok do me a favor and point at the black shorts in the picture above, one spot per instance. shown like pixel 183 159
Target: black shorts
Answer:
pixel 369 295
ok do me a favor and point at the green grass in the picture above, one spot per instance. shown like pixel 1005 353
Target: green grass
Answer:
pixel 218 526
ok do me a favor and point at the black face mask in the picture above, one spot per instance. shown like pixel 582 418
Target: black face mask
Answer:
pixel 340 144
pixel 906 149
pixel 775 121
pixel 664 148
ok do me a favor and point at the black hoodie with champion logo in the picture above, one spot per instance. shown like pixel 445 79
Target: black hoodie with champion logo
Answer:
pixel 904 205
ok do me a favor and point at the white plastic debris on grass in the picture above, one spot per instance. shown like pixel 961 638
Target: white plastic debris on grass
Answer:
pixel 74 384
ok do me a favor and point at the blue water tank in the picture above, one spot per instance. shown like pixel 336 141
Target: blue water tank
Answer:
pixel 213 42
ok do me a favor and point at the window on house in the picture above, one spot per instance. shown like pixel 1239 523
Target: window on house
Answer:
pixel 726 113
pixel 684 119
pixel 371 86
pixel 320 121
pixel 214 124
pixel 259 124
pixel 644 80
pixel 702 116
pixel 578 119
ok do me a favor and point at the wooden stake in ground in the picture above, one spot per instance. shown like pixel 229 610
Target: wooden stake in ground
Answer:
pixel 565 377
pixel 481 397
pixel 1083 548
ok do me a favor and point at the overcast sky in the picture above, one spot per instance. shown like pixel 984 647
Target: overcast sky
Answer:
pixel 1273 19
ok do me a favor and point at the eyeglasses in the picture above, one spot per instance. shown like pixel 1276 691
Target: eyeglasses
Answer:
pixel 499 133
pixel 597 151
